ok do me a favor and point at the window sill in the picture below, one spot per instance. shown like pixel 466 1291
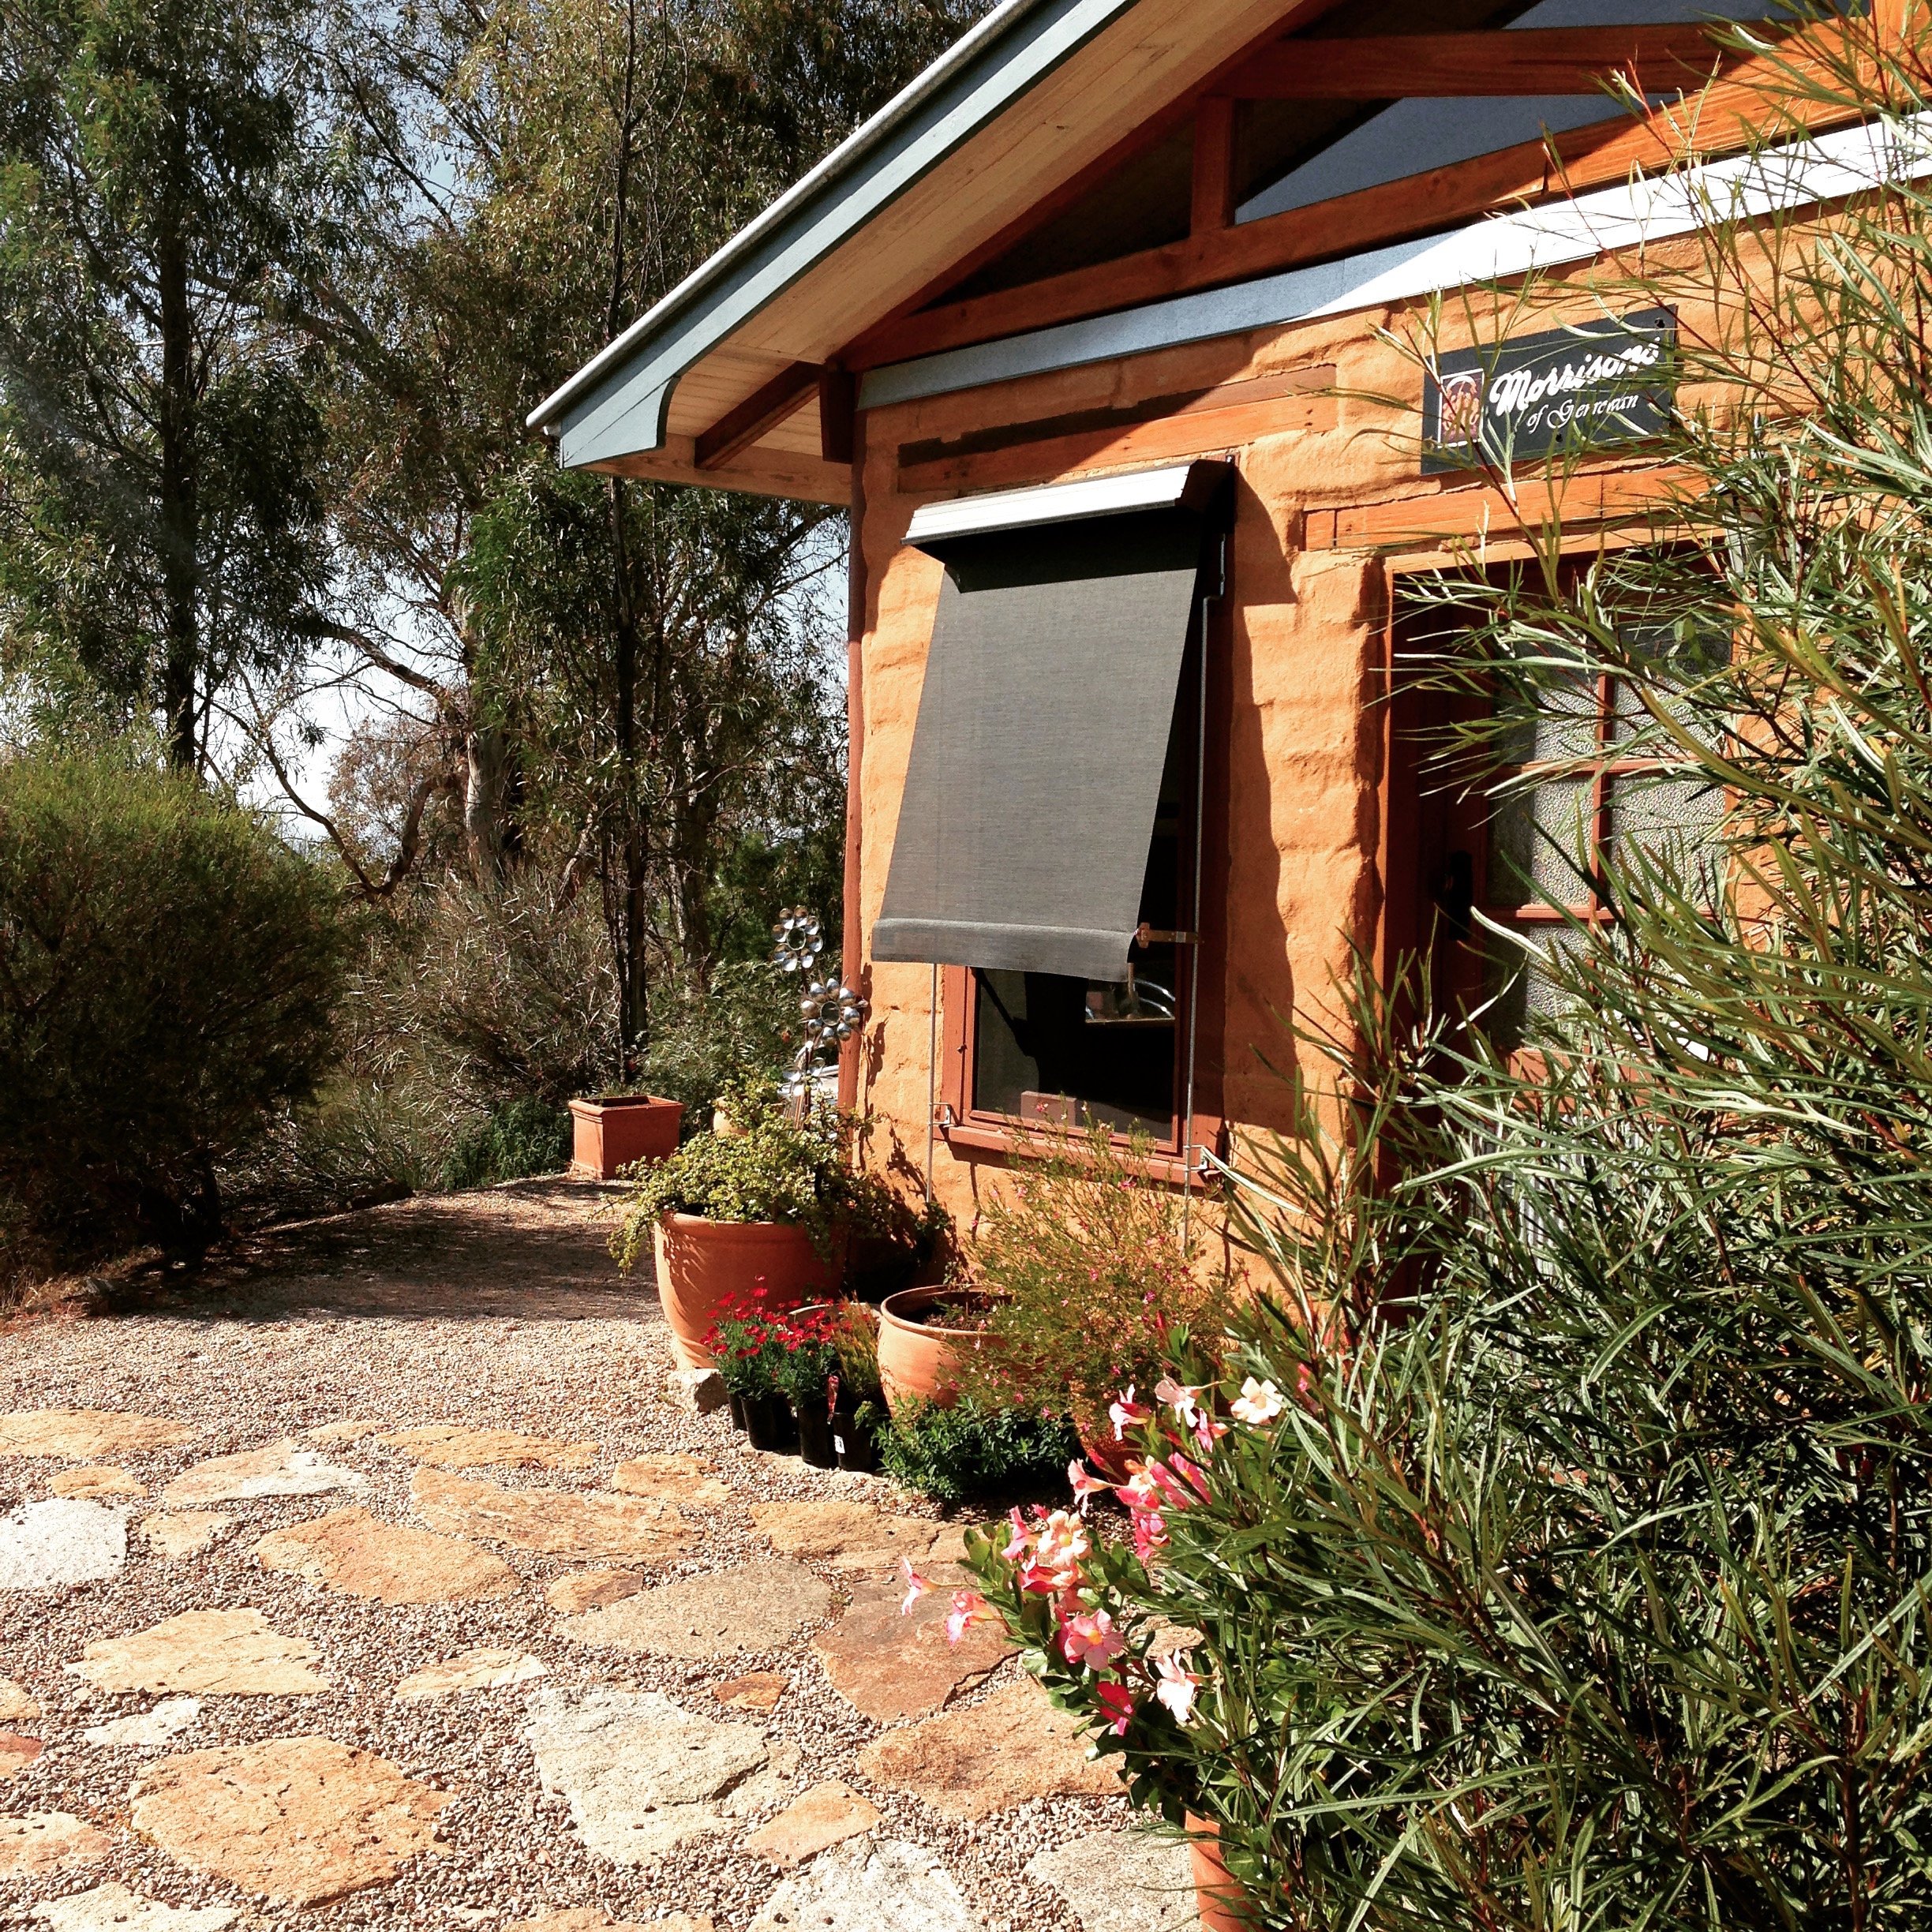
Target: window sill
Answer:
pixel 986 1136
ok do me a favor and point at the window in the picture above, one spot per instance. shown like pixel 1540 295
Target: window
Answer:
pixel 1529 861
pixel 1053 1048
pixel 1545 841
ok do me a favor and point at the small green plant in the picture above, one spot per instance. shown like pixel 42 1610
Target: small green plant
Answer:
pixel 952 1454
pixel 1090 1266
pixel 773 1164
pixel 807 1357
pixel 520 1138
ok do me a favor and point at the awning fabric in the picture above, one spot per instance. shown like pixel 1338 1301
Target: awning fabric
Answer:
pixel 1043 722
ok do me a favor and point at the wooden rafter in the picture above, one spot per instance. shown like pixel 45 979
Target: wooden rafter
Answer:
pixel 1416 204
pixel 1213 192
pixel 767 407
pixel 1542 60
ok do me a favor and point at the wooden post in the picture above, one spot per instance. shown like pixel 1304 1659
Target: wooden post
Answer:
pixel 1214 166
pixel 852 939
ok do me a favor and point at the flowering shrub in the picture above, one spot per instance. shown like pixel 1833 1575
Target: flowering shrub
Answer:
pixel 746 1341
pixel 805 1359
pixel 1152 1637
pixel 1089 1271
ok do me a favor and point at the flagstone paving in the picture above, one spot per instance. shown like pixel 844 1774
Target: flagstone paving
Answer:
pixel 636 1675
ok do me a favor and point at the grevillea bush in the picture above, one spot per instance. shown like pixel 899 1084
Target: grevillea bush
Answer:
pixel 1090 1266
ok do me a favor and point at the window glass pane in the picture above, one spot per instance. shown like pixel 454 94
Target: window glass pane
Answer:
pixel 1540 839
pixel 1521 987
pixel 1054 1049
pixel 1565 724
pixel 1681 659
pixel 1677 819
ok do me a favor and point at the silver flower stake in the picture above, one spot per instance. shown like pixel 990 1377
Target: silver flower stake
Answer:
pixel 831 1012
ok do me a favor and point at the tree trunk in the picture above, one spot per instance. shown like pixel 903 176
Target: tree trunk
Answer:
pixel 486 774
pixel 179 532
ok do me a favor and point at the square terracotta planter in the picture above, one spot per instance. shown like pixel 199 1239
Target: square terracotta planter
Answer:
pixel 615 1129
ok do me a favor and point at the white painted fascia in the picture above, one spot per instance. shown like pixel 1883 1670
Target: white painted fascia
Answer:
pixel 1497 249
pixel 1165 488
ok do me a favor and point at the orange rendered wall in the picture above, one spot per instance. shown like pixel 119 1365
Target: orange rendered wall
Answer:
pixel 1303 745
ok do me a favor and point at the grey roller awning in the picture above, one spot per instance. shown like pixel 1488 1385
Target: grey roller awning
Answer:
pixel 1043 721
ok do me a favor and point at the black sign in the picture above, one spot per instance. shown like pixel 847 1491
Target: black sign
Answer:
pixel 1543 395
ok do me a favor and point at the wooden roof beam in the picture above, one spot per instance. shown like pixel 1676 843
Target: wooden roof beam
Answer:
pixel 767 407
pixel 1530 60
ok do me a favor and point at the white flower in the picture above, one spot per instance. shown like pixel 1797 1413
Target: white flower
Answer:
pixel 1259 1403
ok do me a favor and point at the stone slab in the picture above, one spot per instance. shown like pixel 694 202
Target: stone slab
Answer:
pixel 278 1469
pixel 640 1774
pixel 579 1590
pixel 150 1729
pixel 86 1435
pixel 756 1606
pixel 447 1445
pixel 888 1887
pixel 890 1665
pixel 18 1751
pixel 826 1815
pixel 184 1533
pixel 299 1821
pixel 16 1707
pixel 96 1479
pixel 45 1842
pixel 1011 1750
pixel 360 1555
pixel 65 1540
pixel 1122 1881
pixel 673 1475
pixel 847 1535
pixel 552 1522
pixel 115 1909
pixel 474 1670
pixel 204 1654
pixel 756 1691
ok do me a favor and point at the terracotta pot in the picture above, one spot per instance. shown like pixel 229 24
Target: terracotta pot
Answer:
pixel 701 1262
pixel 614 1130
pixel 917 1359
pixel 1223 1904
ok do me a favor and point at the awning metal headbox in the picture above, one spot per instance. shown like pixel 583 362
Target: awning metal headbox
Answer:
pixel 1043 721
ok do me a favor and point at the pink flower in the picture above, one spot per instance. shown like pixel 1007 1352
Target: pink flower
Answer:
pixel 969 1608
pixel 1114 1698
pixel 1192 1473
pixel 1208 1430
pixel 916 1585
pixel 1085 1487
pixel 1150 1532
pixel 1259 1403
pixel 1127 1414
pixel 1021 1540
pixel 1091 1638
pixel 1176 1686
pixel 1180 1399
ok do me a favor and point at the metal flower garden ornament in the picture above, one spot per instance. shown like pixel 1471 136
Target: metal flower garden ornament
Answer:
pixel 830 1011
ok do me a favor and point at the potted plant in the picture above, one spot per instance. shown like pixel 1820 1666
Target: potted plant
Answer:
pixel 1093 1267
pixel 746 1342
pixel 857 1401
pixel 775 1200
pixel 804 1367
pixel 612 1131
pixel 927 1337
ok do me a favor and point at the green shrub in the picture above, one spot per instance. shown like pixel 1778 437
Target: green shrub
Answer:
pixel 708 1039
pixel 167 972
pixel 771 1166
pixel 955 1454
pixel 520 1138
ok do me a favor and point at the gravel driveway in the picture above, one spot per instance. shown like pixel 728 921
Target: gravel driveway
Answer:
pixel 386 1581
